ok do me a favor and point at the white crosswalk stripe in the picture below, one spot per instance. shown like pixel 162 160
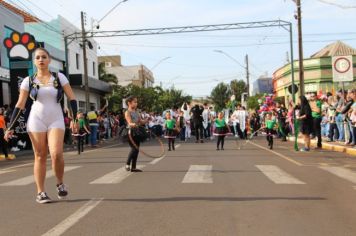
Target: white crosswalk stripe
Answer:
pixel 5 171
pixel 341 172
pixel 115 177
pixel 277 175
pixel 199 174
pixel 30 179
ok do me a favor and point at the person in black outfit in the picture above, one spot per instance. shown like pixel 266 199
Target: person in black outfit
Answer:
pixel 306 122
pixel 281 113
pixel 198 122
pixel 133 120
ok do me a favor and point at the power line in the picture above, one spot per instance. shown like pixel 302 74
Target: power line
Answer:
pixel 337 4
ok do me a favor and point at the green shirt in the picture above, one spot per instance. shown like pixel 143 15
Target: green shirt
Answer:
pixel 220 123
pixel 81 123
pixel 170 124
pixel 317 114
pixel 270 124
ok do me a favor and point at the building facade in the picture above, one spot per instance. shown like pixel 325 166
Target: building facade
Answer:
pixel 138 75
pixel 9 23
pixel 50 35
pixel 262 85
pixel 318 72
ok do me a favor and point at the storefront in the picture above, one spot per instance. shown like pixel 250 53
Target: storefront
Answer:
pixel 318 72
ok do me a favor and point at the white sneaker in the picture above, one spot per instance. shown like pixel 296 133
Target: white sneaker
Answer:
pixel 15 149
pixel 20 143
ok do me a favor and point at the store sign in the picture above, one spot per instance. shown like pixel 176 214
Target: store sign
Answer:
pixel 342 69
pixel 20 45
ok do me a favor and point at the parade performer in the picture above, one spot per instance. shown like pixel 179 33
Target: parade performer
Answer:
pixel 79 130
pixel 198 122
pixel 170 131
pixel 45 124
pixel 306 122
pixel 137 133
pixel 221 130
pixel 270 123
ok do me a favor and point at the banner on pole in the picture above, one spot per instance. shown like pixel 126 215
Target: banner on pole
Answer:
pixel 342 69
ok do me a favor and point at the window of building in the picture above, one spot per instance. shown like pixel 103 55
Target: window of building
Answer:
pixel 94 68
pixel 77 60
pixel 81 105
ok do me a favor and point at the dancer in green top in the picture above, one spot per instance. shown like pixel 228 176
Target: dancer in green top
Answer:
pixel 170 132
pixel 269 125
pixel 221 129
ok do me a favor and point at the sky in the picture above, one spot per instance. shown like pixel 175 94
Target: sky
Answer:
pixel 193 65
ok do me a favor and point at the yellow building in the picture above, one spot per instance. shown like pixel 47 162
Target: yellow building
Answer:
pixel 318 72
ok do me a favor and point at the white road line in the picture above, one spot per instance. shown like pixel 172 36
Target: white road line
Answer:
pixel 199 174
pixel 277 175
pixel 14 167
pixel 278 154
pixel 5 171
pixel 341 172
pixel 30 179
pixel 62 227
pixel 75 152
pixel 155 161
pixel 115 177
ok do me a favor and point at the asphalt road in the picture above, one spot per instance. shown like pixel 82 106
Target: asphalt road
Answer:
pixel 194 190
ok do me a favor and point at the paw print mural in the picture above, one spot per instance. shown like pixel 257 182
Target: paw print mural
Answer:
pixel 20 46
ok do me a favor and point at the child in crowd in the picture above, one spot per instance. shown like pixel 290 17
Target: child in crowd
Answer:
pixel 79 130
pixel 270 123
pixel 170 133
pixel 221 129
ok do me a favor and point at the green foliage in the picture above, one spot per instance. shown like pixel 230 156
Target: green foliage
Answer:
pixel 237 88
pixel 252 101
pixel 220 95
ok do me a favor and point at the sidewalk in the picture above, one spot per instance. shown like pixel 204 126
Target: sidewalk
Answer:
pixel 332 146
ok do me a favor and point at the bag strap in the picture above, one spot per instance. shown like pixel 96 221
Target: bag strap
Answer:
pixel 30 85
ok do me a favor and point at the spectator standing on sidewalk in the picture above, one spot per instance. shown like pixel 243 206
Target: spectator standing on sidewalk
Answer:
pixel 315 105
pixel 339 118
pixel 92 117
pixel 306 122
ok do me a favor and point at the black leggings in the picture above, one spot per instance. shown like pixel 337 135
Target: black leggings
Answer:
pixel 199 130
pixel 221 140
pixel 269 136
pixel 133 154
pixel 171 143
pixel 3 143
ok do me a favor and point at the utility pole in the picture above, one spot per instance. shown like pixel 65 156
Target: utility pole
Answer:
pixel 300 48
pixel 247 76
pixel 86 82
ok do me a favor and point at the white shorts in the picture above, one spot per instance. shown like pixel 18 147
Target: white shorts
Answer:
pixel 36 124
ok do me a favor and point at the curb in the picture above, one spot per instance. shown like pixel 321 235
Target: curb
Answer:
pixel 328 146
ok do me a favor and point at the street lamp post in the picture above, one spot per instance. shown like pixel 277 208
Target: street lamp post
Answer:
pixel 245 67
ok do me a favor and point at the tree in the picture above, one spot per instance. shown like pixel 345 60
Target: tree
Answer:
pixel 252 101
pixel 107 77
pixel 220 95
pixel 238 87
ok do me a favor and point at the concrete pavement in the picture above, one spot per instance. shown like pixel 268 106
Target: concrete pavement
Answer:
pixel 195 190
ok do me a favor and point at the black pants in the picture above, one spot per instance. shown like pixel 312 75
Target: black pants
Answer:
pixel 3 143
pixel 80 143
pixel 317 129
pixel 221 140
pixel 182 134
pixel 198 126
pixel 354 131
pixel 133 154
pixel 333 131
pixel 283 133
pixel 269 136
pixel 171 143
pixel 239 131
